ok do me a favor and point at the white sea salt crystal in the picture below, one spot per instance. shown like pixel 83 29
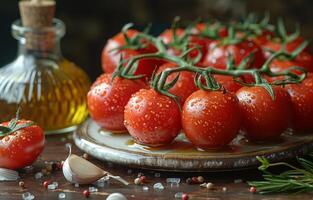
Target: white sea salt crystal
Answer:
pixel 173 180
pixel 178 195
pixel 158 186
pixel 28 196
pixel 62 195
pixel 102 182
pixel 92 189
pixel 145 188
pixel 53 186
pixel 116 196
pixel 38 175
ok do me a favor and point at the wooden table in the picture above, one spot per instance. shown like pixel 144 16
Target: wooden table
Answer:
pixel 55 151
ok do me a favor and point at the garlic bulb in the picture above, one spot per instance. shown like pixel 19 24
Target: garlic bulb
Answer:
pixel 8 175
pixel 79 170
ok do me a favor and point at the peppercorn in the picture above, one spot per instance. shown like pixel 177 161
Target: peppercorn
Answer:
pixel 209 186
pixel 85 156
pixel 137 181
pixel 252 189
pixel 194 179
pixel 86 193
pixel 21 184
pixel 184 196
pixel 46 183
pixel 200 179
pixel 143 179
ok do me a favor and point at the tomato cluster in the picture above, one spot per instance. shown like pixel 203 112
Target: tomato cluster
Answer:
pixel 209 119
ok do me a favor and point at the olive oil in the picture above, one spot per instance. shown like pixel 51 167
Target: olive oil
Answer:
pixel 48 89
pixel 53 94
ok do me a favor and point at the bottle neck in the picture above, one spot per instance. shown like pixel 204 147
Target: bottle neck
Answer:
pixel 28 47
pixel 41 42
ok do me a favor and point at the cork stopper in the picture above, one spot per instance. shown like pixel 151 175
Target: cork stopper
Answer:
pixel 38 15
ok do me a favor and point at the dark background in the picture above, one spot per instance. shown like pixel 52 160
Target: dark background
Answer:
pixel 90 23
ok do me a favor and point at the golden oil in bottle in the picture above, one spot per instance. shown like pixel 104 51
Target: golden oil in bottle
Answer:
pixel 48 88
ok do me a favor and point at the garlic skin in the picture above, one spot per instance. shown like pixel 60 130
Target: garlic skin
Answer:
pixel 8 175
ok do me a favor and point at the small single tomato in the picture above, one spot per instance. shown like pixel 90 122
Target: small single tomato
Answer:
pixel 264 118
pixel 184 86
pixel 219 51
pixel 302 101
pixel 106 100
pixel 211 119
pixel 228 83
pixel 111 55
pixel 21 142
pixel 151 118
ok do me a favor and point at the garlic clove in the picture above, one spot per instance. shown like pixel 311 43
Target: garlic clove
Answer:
pixel 78 170
pixel 8 175
pixel 81 171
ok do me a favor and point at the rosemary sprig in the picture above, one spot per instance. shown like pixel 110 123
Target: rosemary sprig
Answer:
pixel 294 180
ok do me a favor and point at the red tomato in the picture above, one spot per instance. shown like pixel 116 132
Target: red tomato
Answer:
pixel 302 101
pixel 211 119
pixel 200 27
pixel 22 147
pixel 263 117
pixel 168 37
pixel 263 38
pixel 185 84
pixel 106 100
pixel 110 58
pixel 217 55
pixel 227 82
pixel 152 119
pixel 276 45
pixel 279 65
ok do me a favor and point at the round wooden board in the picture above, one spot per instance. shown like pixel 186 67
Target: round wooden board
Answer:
pixel 181 155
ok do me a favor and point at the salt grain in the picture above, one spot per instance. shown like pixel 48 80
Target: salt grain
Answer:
pixel 62 196
pixel 28 196
pixel 38 175
pixel 158 186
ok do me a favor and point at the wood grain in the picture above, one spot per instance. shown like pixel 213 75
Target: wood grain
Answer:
pixel 55 150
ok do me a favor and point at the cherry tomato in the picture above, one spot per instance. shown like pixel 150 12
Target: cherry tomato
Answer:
pixel 168 38
pixel 218 54
pixel 200 27
pixel 263 38
pixel 110 57
pixel 227 82
pixel 263 117
pixel 106 100
pixel 276 45
pixel 151 118
pixel 184 85
pixel 20 148
pixel 279 65
pixel 211 119
pixel 302 101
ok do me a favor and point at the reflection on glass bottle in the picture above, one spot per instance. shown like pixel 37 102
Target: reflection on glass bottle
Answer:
pixel 49 89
